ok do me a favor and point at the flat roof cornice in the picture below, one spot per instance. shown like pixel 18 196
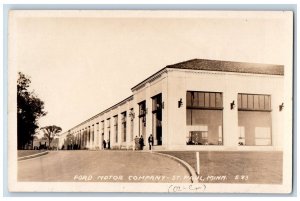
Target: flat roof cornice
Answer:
pixel 105 111
pixel 150 78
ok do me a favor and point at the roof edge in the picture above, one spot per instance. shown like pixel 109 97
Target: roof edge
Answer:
pixel 149 78
pixel 176 66
pixel 249 67
pixel 103 112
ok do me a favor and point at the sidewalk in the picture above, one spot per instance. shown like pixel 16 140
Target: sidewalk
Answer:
pixel 27 154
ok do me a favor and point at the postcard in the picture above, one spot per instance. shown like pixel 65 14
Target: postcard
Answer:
pixel 150 101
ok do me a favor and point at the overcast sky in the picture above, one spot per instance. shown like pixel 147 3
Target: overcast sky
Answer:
pixel 82 65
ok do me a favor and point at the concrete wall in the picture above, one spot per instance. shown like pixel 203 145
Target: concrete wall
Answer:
pixel 89 133
pixel 146 93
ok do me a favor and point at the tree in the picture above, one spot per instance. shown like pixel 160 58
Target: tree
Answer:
pixel 50 132
pixel 29 109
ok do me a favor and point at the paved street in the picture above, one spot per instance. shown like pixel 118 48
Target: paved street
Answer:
pixel 101 166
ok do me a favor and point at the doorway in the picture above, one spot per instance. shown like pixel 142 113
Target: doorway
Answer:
pixel 157 107
pixel 142 119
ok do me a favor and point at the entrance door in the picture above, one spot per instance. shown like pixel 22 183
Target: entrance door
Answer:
pixel 142 119
pixel 157 119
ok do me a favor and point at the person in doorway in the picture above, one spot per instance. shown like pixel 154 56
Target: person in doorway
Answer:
pixel 104 144
pixel 141 142
pixel 150 141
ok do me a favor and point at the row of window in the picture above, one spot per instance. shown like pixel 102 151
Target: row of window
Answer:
pixel 204 115
pixel 89 133
pixel 123 127
pixel 204 119
pixel 214 100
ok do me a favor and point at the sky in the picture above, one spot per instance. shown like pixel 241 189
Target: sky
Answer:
pixel 81 64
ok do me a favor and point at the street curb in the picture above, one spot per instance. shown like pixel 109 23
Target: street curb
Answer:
pixel 33 155
pixel 187 166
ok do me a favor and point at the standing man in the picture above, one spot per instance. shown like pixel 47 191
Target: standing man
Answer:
pixel 150 141
pixel 141 142
pixel 104 144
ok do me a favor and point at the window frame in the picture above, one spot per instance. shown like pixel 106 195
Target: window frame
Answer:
pixel 240 104
pixel 124 126
pixel 116 128
pixel 204 101
pixel 191 106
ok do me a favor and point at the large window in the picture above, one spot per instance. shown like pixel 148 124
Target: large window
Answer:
pixel 204 117
pixel 108 129
pixel 102 132
pixel 254 119
pixel 97 134
pixel 116 128
pixel 93 133
pixel 131 115
pixel 142 118
pixel 124 126
pixel 89 134
pixel 86 136
pixel 80 138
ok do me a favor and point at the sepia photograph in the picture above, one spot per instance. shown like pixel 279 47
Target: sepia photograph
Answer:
pixel 150 101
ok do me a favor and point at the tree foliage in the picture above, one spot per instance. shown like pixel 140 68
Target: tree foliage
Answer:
pixel 29 109
pixel 51 131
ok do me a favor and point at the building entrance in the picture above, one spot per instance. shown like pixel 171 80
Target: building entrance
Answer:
pixel 142 119
pixel 157 119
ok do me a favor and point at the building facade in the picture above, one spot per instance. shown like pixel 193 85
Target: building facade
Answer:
pixel 194 105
